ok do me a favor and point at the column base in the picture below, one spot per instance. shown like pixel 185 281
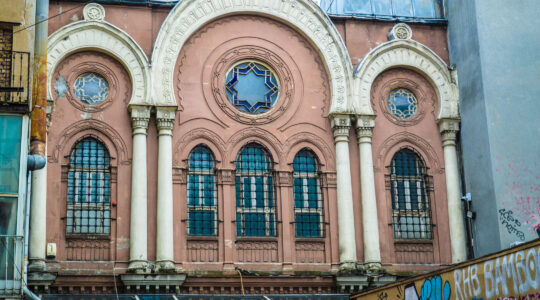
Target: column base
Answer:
pixel 166 266
pixel 373 267
pixel 37 265
pixel 347 266
pixel 139 267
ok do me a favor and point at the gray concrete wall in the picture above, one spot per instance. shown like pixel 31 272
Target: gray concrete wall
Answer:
pixel 496 47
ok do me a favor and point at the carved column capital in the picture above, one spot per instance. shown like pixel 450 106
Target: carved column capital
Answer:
pixel 449 129
pixel 341 125
pixel 226 176
pixel 140 115
pixel 165 117
pixel 364 128
pixel 50 108
pixel 285 178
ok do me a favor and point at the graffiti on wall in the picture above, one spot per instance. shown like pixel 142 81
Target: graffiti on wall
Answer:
pixel 520 212
pixel 510 275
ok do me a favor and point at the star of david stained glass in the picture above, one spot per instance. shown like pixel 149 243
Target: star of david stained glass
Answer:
pixel 91 88
pixel 252 87
pixel 402 103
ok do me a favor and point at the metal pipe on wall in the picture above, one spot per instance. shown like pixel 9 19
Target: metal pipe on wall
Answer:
pixel 38 129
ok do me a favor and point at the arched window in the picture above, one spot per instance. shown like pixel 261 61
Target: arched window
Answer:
pixel 88 191
pixel 201 193
pixel 411 211
pixel 255 196
pixel 308 202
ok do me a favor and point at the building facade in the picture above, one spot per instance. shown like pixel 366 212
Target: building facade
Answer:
pixel 231 147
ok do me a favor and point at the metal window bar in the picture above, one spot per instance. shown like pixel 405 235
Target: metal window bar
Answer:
pixel 255 193
pixel 411 210
pixel 308 200
pixel 14 79
pixel 88 201
pixel 11 262
pixel 202 205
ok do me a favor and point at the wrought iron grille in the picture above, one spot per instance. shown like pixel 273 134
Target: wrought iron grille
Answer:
pixel 255 195
pixel 88 199
pixel 14 79
pixel 411 211
pixel 308 200
pixel 11 262
pixel 201 193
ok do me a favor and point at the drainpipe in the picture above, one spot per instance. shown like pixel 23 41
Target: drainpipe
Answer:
pixel 38 129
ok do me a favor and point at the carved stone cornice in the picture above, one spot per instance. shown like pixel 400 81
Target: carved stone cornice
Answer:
pixel 140 115
pixel 449 129
pixel 165 117
pixel 364 128
pixel 340 126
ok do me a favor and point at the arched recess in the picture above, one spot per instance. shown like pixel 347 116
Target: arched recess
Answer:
pixel 115 144
pixel 408 54
pixel 99 35
pixel 305 16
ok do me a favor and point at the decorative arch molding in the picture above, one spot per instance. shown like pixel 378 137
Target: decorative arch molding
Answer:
pixel 99 35
pixel 320 147
pixel 253 134
pixel 387 150
pixel 91 126
pixel 408 54
pixel 188 16
pixel 210 138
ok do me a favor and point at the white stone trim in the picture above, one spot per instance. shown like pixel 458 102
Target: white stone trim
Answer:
pixel 188 16
pixel 103 37
pixel 412 55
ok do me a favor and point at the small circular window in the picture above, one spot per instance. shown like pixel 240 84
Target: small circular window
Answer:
pixel 402 103
pixel 91 88
pixel 252 87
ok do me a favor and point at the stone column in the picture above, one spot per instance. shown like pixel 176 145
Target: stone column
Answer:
pixel 370 220
pixel 347 244
pixel 449 129
pixel 138 259
pixel 164 240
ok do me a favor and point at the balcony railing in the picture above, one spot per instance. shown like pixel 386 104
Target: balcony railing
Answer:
pixel 14 80
pixel 11 263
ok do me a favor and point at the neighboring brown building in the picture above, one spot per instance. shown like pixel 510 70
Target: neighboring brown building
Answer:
pixel 258 147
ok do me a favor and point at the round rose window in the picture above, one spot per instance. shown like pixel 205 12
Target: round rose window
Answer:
pixel 252 87
pixel 402 103
pixel 91 88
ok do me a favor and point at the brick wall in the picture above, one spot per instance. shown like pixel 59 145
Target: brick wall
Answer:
pixel 6 43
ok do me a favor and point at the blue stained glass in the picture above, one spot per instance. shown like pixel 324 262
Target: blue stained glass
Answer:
pixel 91 88
pixel 308 202
pixel 252 88
pixel 201 193
pixel 402 103
pixel 255 205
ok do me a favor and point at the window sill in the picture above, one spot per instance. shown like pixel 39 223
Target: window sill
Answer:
pixel 256 239
pixel 310 239
pixel 413 241
pixel 202 238
pixel 88 237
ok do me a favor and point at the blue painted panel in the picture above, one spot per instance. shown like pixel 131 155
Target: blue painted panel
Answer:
pixel 10 153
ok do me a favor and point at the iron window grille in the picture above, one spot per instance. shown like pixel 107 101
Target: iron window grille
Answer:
pixel 201 193
pixel 88 191
pixel 411 209
pixel 14 80
pixel 255 192
pixel 308 200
